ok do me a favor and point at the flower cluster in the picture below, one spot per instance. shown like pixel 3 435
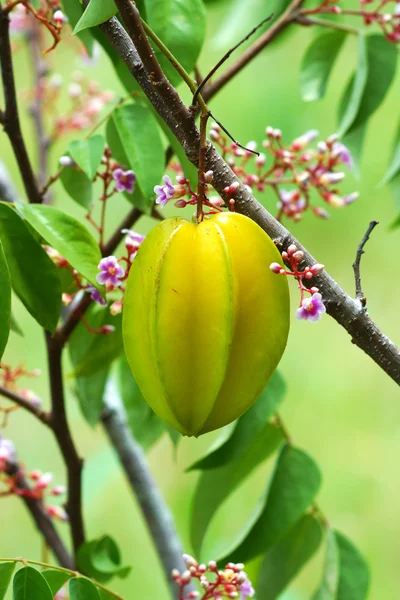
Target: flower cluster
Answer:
pixel 9 377
pixel 13 481
pixel 87 101
pixel 291 171
pixel 311 308
pixel 182 188
pixel 231 582
pixel 384 13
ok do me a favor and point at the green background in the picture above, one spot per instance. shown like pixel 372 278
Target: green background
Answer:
pixel 340 407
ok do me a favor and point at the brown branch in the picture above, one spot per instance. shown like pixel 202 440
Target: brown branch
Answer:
pixel 356 265
pixel 284 20
pixel 10 117
pixel 40 414
pixel 345 310
pixel 60 427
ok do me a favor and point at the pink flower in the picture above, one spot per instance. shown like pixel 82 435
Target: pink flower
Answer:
pixel 110 272
pixel 311 309
pixel 343 153
pixel 133 241
pixel 164 192
pixel 96 296
pixel 124 180
pixel 7 453
pixel 246 590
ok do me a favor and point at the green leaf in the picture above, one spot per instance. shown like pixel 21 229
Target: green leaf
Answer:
pixel 82 589
pixel 101 560
pixel 5 301
pixel 102 351
pixel 352 97
pixel 77 185
pixel 96 13
pixel 286 558
pixel 354 576
pixel 292 489
pixel 396 223
pixel 215 485
pixel 146 427
pixel 140 138
pixel 55 579
pixel 394 167
pixel 6 571
pixel 87 153
pixel 74 10
pixel 395 190
pixel 68 236
pixel 318 63
pixel 330 580
pixel 114 142
pixel 89 389
pixel 181 25
pixel 354 140
pixel 247 428
pixel 34 276
pixel 29 584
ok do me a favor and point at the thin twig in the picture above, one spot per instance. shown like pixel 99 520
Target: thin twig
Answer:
pixel 10 117
pixel 40 414
pixel 356 265
pixel 201 184
pixel 224 129
pixel 225 58
pixel 308 21
pixel 153 506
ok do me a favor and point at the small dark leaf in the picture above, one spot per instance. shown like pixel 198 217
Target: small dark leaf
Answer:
pixel 87 153
pixel 5 301
pixel 146 427
pixel 354 576
pixel 288 556
pixel 82 589
pixel 318 63
pixel 29 584
pixel 27 260
pixel 140 138
pixel 68 236
pixel 55 579
pixel 97 12
pixel 77 186
pixel 292 489
pixel 6 571
pixel 15 327
pixel 101 560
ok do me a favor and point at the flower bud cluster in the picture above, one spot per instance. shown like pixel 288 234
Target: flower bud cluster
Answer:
pixel 47 12
pixel 291 171
pixel 311 308
pixel 40 488
pixel 231 582
pixel 385 14
pixel 169 191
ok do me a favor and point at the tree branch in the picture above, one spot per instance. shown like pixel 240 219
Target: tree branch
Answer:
pixel 10 117
pixel 60 427
pixel 345 310
pixel 155 511
pixel 40 414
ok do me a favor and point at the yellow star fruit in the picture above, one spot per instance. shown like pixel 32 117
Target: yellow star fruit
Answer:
pixel 205 321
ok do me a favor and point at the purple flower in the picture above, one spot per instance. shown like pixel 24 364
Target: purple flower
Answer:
pixel 311 309
pixel 341 151
pixel 96 296
pixel 132 242
pixel 110 272
pixel 246 590
pixel 164 192
pixel 124 180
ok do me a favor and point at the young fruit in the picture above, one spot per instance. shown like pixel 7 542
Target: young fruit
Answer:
pixel 205 321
